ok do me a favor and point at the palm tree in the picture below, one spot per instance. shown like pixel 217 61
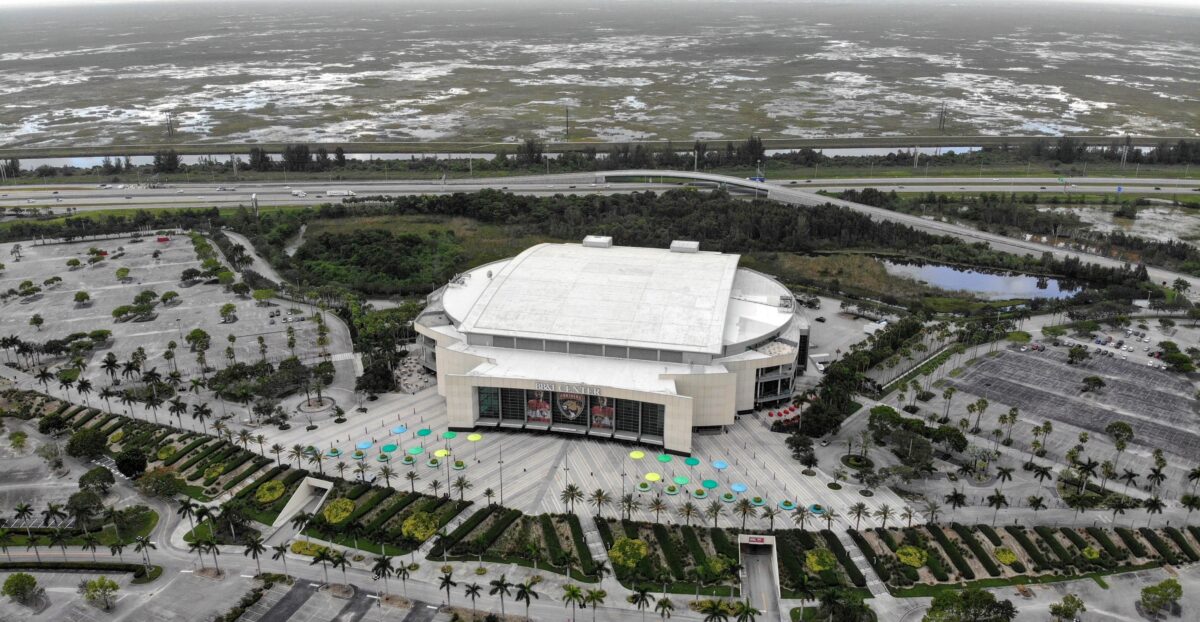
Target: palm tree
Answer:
pixel 201 412
pixel 801 514
pixel 500 586
pixel 277 449
pixel 341 560
pixel 435 486
pixel 322 557
pixel 570 495
pixel 387 473
pixel 829 517
pixel 1153 506
pixel 594 598
pixel 714 611
pixel 90 541
pixel 300 520
pixel 382 569
pixel 53 514
pixel 1035 503
pixel 956 499
pixel 462 484
pixel 143 545
pixel 743 611
pixel 642 599
pixel 745 509
pixel 84 386
pixel 664 607
pixel 118 549
pixel 110 365
pixel 932 509
pixel 177 408
pixel 770 513
pixel 197 546
pixel 658 506
pixel 279 552
pixel 572 596
pixel 526 594
pixel 210 545
pixel 44 376
pixel 687 512
pixel 317 458
pixel 488 493
pixel 884 513
pixel 106 394
pixel 403 573
pixel 24 512
pixel 714 511
pixel 599 499
pixel 255 548
pixel 858 511
pixel 629 505
pixel 66 385
pixel 187 508
pixel 996 500
pixel 472 591
pixel 412 477
pixel 341 467
pixel 296 453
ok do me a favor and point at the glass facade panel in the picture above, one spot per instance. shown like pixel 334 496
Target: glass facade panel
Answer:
pixel 603 414
pixel 652 419
pixel 628 413
pixel 489 403
pixel 537 407
pixel 512 404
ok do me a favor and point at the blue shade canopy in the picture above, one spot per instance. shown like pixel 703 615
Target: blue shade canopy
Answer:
pixel 720 465
pixel 400 429
pixel 363 445
pixel 738 487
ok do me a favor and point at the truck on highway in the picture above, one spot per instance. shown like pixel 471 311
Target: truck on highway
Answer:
pixel 340 193
pixel 299 193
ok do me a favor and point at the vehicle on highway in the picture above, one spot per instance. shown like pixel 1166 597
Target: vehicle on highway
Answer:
pixel 299 193
pixel 55 192
pixel 340 193
pixel 128 197
pixel 180 191
pixel 821 318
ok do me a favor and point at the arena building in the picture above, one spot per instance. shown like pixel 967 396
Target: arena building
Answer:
pixel 637 344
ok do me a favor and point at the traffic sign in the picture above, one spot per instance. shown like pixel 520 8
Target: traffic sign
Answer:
pixel 1120 188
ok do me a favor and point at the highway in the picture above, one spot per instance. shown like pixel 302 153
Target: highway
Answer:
pixel 796 192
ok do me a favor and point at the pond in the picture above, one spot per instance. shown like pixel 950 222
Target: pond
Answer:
pixel 984 285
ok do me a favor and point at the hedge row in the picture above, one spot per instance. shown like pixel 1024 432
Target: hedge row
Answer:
pixel 1131 542
pixel 671 551
pixel 990 534
pixel 370 504
pixel 183 451
pixel 1183 544
pixel 259 463
pixel 886 536
pixel 952 552
pixel 606 536
pixel 138 570
pixel 852 571
pixel 915 538
pixel 550 534
pixel 449 540
pixel 1164 550
pixel 1101 536
pixel 204 453
pixel 692 542
pixel 872 557
pixel 790 555
pixel 268 476
pixel 87 416
pixel 357 491
pixel 108 427
pixel 722 544
pixel 379 521
pixel 214 458
pixel 586 563
pixel 980 554
pixel 485 540
pixel 1039 561
pixel 1047 535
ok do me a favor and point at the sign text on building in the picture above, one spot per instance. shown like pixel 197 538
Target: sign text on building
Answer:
pixel 560 387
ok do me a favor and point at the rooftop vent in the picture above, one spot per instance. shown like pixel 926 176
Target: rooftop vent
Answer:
pixel 598 241
pixel 685 246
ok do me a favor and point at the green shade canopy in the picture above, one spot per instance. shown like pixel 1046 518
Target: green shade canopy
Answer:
pixel 664 458
pixel 709 484
pixel 449 434
pixel 681 480
pixel 424 432
pixel 653 477
pixel 637 455
pixel 416 451
pixel 475 437
pixel 389 448
pixel 692 461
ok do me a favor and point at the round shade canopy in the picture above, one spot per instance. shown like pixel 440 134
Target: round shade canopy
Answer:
pixel 400 429
pixel 637 455
pixel 653 477
pixel 664 458
pixel 681 480
pixel 709 484
pixel 389 448
pixel 363 445
pixel 416 451
pixel 720 465
pixel 442 453
pixel 449 434
pixel 738 487
pixel 474 437
pixel 424 432
pixel 692 461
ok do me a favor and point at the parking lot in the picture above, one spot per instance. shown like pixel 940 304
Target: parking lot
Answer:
pixel 1159 404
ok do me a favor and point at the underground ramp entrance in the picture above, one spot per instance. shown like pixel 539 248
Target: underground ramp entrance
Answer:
pixel 760 581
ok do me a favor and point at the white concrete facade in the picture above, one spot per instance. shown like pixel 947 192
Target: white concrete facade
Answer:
pixel 628 343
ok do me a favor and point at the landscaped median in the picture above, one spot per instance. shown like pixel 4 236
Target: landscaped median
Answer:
pixel 140 575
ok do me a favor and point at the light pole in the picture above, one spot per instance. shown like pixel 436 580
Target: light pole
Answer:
pixel 502 471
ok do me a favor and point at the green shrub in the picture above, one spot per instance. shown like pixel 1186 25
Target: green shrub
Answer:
pixel 186 450
pixel 485 540
pixel 1035 554
pixel 166 452
pixel 1131 542
pixel 1101 536
pixel 972 543
pixel 1164 550
pixel 835 545
pixel 1047 535
pixel 881 569
pixel 722 544
pixel 670 550
pixel 1181 542
pixel 269 492
pixel 692 542
pixel 550 535
pixel 338 510
pixel 951 549
pixel 990 534
pixel 586 563
pixel 460 532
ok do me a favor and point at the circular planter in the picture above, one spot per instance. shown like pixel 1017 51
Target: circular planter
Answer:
pixel 643 487
pixel 787 506
pixel 671 490
pixel 728 497
pixel 458 465
pixel 857 462
pixel 382 458
pixel 866 493
pixel 433 463
pixel 809 472
pixel 409 460
pixel 333 453
pixel 358 455
pixel 834 486
pixel 816 509
pixel 758 502
pixel 700 493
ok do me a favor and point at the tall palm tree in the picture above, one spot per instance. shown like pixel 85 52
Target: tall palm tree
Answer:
pixel 322 557
pixel 570 495
pixel 658 506
pixel 600 498
pixel 84 386
pixel 745 509
pixel 90 542
pixel 53 513
pixel 526 594
pixel 59 537
pixel 956 499
pixel 664 607
pixel 255 548
pixel 296 453
pixel 361 470
pixel 412 477
pixel 462 484
pixel 502 587
pixel 403 573
pixel 66 385
pixel 932 509
pixel 24 512
pixel 743 611
pixel 1153 505
pixel 106 394
pixel 210 546
pixel 857 512
pixel 187 508
pixel 687 512
pixel 382 569
pixel 714 611
pixel 277 449
pixel 6 540
pixel 143 545
pixel 642 599
pixel 572 596
pixel 594 598
pixel 472 591
pixel 317 458
pixel 201 412
pixel 445 582
pixel 341 560
pixel 884 514
pixel 714 511
pixel 629 505
pixel 387 473
pixel 770 513
pixel 279 552
pixel 118 549
pixel 996 500
pixel 44 376
pixel 801 514
pixel 435 486
pixel 197 546
pixel 178 409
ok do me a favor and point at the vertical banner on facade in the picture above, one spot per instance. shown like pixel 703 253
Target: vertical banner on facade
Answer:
pixel 571 408
pixel 603 413
pixel 537 407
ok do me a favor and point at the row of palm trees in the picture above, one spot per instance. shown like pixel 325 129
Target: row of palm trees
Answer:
pixel 688 511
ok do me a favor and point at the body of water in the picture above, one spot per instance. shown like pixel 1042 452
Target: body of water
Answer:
pixel 984 285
